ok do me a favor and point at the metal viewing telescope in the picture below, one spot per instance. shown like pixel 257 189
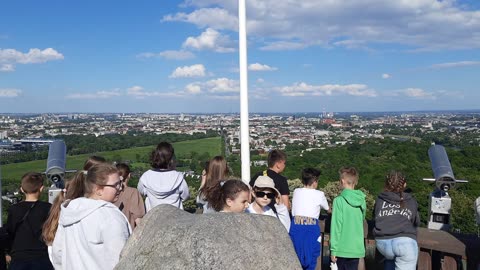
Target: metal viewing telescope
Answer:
pixel 439 201
pixel 55 172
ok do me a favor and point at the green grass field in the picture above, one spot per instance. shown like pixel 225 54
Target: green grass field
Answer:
pixel 13 172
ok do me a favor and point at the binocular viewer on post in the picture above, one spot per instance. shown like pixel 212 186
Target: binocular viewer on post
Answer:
pixel 442 170
pixel 439 201
pixel 55 172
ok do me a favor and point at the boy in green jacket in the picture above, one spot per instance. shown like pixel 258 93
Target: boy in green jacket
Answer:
pixel 346 231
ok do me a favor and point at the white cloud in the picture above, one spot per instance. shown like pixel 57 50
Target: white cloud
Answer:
pixel 260 67
pixel 134 89
pixel 417 93
pixel 210 39
pixel 170 55
pixel 7 68
pixel 419 24
pixel 193 89
pixel 207 17
pixel 220 88
pixel 455 64
pixel 386 76
pixel 303 89
pixel 9 93
pixel 197 70
pixel 283 46
pixel 139 93
pixel 96 95
pixel 32 57
pixel 260 80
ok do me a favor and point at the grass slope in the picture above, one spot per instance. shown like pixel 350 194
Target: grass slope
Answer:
pixel 182 149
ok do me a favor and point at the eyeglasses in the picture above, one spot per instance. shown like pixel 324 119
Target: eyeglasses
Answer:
pixel 261 194
pixel 118 185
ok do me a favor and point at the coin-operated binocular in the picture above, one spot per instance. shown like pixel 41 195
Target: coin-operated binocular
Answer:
pixel 439 201
pixel 55 172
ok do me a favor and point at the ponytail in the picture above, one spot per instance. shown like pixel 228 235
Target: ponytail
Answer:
pixel 74 189
pixel 222 191
pixel 395 182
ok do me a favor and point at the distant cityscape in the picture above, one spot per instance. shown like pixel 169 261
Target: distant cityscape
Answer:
pixel 318 130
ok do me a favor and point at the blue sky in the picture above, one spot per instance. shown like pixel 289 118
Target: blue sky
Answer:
pixel 182 56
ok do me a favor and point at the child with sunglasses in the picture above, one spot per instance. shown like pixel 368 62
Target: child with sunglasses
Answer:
pixel 305 230
pixel 264 192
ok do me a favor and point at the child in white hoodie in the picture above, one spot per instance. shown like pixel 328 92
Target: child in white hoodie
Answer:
pixel 264 192
pixel 92 231
pixel 163 184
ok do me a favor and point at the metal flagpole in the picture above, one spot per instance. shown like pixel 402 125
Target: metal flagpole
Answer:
pixel 1 200
pixel 244 132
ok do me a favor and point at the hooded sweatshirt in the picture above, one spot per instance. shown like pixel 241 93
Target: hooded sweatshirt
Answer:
pixel 90 235
pixel 346 231
pixel 163 187
pixel 391 220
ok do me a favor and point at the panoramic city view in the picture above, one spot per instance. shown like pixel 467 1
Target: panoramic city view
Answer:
pixel 369 99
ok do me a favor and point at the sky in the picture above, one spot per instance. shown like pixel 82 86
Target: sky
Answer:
pixel 182 56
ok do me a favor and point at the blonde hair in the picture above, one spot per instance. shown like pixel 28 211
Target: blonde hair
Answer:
pixel 98 175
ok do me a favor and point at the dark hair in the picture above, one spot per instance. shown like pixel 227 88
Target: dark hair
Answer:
pixel 275 156
pixel 207 164
pixel 32 182
pixel 98 175
pixel 309 176
pixel 123 170
pixel 163 156
pixel 349 174
pixel 92 161
pixel 229 189
pixel 395 182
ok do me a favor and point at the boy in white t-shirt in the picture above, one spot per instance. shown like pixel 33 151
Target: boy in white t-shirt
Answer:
pixel 305 230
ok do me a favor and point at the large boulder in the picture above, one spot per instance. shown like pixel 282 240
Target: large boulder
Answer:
pixel 169 238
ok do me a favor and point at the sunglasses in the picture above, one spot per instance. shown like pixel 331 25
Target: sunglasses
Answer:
pixel 261 194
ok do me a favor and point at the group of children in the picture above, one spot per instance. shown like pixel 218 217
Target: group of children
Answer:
pixel 91 220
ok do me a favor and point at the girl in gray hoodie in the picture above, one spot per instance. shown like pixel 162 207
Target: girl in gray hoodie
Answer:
pixel 163 184
pixel 92 231
pixel 396 222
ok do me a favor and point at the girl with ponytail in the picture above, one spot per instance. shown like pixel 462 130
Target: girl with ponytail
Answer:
pixel 91 230
pixel 74 188
pixel 229 196
pixel 396 222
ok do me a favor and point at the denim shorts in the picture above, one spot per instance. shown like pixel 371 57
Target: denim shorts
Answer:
pixel 401 253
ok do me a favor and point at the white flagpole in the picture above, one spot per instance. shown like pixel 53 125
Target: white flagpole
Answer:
pixel 244 132
pixel 1 200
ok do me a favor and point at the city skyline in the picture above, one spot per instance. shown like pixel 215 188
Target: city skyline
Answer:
pixel 182 56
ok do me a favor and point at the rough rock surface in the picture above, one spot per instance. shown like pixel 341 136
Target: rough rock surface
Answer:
pixel 169 238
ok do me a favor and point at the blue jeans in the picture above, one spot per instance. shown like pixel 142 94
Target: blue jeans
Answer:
pixel 400 253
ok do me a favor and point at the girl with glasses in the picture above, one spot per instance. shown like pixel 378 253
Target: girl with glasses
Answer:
pixel 264 192
pixel 91 230
pixel 74 188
